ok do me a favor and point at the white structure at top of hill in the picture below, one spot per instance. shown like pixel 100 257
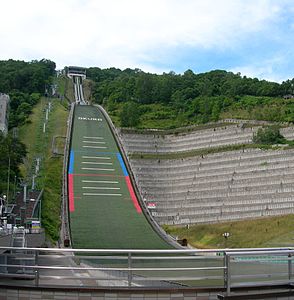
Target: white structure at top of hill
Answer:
pixel 4 102
pixel 76 71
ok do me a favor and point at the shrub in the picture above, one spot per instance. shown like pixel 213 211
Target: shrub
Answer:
pixel 269 136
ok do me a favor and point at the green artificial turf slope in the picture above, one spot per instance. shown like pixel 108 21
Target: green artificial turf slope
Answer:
pixel 104 215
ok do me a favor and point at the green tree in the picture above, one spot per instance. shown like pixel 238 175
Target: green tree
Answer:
pixel 215 112
pixel 130 115
pixel 199 98
pixel 11 149
pixel 269 136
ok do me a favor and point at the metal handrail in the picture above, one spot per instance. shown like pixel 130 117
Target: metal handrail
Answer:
pixel 65 230
pixel 235 251
pixel 128 267
pixel 259 257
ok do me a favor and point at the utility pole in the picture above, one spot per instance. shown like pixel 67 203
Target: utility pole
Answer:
pixel 14 193
pixel 33 182
pixel 8 179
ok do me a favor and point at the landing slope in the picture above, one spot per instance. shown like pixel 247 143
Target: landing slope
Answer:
pixel 104 212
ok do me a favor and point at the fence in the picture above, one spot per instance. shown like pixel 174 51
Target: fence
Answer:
pixel 227 268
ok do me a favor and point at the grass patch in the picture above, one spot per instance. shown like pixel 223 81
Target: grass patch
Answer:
pixel 65 88
pixel 198 152
pixel 31 135
pixel 62 82
pixel 87 89
pixel 157 116
pixel 58 144
pixel 264 232
pixel 53 173
pixel 52 197
pixel 39 144
pixel 175 130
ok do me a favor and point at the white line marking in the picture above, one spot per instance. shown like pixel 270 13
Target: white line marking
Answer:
pixel 98 169
pixel 90 119
pixel 97 163
pixel 93 142
pixel 100 181
pixel 98 157
pixel 93 137
pixel 94 147
pixel 93 194
pixel 100 188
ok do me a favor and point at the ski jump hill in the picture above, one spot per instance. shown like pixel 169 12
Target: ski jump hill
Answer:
pixel 104 210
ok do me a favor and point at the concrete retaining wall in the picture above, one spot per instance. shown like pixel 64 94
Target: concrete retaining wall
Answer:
pixel 201 139
pixel 218 187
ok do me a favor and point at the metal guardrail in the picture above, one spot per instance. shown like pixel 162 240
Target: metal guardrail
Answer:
pixel 228 268
pixel 276 264
pixel 65 230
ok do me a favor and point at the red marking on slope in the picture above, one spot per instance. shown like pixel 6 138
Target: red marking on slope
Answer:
pixel 71 193
pixel 133 195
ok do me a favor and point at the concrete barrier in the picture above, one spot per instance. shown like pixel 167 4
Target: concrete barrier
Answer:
pixel 217 187
pixel 208 138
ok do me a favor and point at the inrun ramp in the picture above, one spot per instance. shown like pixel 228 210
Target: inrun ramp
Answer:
pixel 104 211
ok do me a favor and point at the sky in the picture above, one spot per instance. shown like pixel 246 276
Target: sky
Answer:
pixel 253 37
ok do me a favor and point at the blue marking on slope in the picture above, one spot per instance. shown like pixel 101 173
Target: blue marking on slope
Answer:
pixel 71 162
pixel 122 164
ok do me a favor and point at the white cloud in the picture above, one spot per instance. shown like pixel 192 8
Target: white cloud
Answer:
pixel 126 33
pixel 264 69
pixel 260 72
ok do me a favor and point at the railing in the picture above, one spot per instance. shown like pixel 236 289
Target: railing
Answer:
pixel 268 267
pixel 65 238
pixel 226 268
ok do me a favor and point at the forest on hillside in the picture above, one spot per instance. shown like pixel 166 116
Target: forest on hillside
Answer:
pixel 138 99
pixel 143 100
pixel 24 82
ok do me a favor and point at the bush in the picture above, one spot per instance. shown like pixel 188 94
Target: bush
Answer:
pixel 130 115
pixel 269 136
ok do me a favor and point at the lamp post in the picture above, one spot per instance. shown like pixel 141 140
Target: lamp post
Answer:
pixel 8 179
pixel 14 192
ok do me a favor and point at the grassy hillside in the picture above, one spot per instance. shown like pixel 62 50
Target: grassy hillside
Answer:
pixel 39 144
pixel 171 100
pixel 266 232
pixel 167 116
pixel 65 87
pixel 87 88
